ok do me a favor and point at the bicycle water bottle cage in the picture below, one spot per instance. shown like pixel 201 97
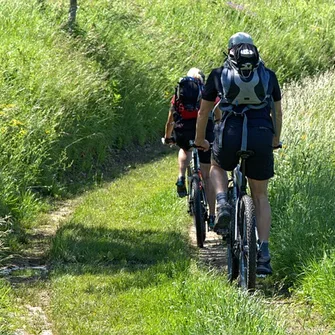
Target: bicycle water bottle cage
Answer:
pixel 244 154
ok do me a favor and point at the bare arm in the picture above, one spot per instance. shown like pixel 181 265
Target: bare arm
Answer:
pixel 205 109
pixel 217 114
pixel 279 116
pixel 169 124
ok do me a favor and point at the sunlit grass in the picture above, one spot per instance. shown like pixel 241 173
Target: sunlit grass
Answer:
pixel 124 265
pixel 317 285
pixel 302 193
pixel 68 98
pixel 6 308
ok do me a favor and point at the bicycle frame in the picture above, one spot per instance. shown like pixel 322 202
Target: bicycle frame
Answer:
pixel 240 180
pixel 197 200
pixel 194 169
pixel 196 196
pixel 243 232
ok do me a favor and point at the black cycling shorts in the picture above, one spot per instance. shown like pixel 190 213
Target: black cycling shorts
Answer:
pixel 260 165
pixel 183 135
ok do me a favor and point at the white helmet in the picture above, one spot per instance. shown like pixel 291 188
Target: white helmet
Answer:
pixel 239 38
pixel 197 74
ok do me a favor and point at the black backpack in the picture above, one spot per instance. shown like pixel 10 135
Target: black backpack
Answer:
pixel 245 80
pixel 187 97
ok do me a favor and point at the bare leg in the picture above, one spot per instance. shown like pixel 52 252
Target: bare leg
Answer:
pixel 219 178
pixel 259 195
pixel 184 158
pixel 210 193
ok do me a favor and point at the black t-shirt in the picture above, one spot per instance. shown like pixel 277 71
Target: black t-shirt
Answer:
pixel 256 117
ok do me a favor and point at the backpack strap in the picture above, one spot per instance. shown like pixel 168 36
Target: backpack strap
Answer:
pixel 273 116
pixel 225 78
pixel 176 100
pixel 244 133
pixel 244 141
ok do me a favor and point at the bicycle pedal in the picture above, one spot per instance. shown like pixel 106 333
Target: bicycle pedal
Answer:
pixel 223 232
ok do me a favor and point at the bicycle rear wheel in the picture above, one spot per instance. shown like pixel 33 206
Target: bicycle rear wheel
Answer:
pixel 189 187
pixel 248 253
pixel 232 243
pixel 197 211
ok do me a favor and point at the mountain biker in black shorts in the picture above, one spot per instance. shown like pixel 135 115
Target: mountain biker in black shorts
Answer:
pixel 184 131
pixel 263 134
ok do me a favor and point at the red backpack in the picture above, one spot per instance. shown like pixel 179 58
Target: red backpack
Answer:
pixel 187 98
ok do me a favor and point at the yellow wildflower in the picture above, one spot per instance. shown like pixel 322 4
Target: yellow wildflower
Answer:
pixel 16 123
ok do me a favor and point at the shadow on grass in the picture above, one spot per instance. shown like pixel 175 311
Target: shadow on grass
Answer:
pixel 96 249
pixel 127 257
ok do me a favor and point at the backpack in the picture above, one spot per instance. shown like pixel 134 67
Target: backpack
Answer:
pixel 187 98
pixel 244 78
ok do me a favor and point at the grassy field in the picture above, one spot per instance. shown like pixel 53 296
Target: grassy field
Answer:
pixel 123 262
pixel 68 101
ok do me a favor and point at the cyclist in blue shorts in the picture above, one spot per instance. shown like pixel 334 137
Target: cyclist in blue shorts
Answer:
pixel 252 115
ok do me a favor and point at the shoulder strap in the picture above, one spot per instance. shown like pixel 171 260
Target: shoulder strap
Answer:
pixel 273 116
pixel 175 104
pixel 225 79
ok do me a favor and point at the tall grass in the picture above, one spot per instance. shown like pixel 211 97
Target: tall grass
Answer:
pixel 67 99
pixel 56 110
pixel 303 190
pixel 6 307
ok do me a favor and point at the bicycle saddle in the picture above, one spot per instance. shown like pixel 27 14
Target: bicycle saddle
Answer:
pixel 244 153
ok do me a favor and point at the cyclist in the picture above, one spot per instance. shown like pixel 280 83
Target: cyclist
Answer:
pixel 263 134
pixel 184 131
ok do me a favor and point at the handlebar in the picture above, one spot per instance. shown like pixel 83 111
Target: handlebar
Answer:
pixel 170 140
pixel 279 146
pixel 192 145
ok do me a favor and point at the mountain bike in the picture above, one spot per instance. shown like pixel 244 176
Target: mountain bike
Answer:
pixel 196 195
pixel 242 238
pixel 243 243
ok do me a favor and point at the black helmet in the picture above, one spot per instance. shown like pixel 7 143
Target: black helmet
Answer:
pixel 244 58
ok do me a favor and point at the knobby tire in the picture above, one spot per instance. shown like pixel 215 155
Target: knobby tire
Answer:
pixel 189 188
pixel 247 222
pixel 232 250
pixel 198 213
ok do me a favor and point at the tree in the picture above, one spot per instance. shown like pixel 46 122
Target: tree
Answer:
pixel 72 14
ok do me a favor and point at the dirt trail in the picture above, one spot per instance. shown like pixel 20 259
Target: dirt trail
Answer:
pixel 301 319
pixel 33 263
pixel 30 266
pixel 213 254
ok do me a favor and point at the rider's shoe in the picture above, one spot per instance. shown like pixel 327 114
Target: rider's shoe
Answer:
pixel 223 211
pixel 211 222
pixel 263 265
pixel 181 189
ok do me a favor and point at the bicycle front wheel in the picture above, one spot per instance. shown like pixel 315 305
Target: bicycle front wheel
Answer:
pixel 232 243
pixel 197 211
pixel 248 253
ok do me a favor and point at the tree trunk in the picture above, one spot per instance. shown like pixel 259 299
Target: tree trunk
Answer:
pixel 72 13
